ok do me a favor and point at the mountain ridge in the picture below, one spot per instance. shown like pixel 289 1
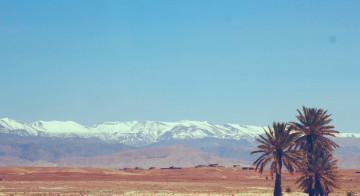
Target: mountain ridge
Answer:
pixel 52 140
pixel 138 133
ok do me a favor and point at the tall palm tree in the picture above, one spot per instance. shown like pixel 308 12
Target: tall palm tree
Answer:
pixel 277 147
pixel 320 176
pixel 314 129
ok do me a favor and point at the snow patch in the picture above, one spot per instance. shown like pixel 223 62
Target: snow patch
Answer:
pixel 139 132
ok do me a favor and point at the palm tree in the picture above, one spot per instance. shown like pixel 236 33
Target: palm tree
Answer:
pixel 320 176
pixel 314 128
pixel 278 147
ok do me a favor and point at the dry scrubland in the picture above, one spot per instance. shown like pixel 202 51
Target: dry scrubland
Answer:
pixel 186 181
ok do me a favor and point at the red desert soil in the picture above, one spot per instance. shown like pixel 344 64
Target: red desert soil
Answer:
pixel 186 181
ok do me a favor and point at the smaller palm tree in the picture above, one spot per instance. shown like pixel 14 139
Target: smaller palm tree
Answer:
pixel 277 147
pixel 320 176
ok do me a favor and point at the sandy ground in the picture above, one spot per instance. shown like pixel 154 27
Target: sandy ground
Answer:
pixel 186 181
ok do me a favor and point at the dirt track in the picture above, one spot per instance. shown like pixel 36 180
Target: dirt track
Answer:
pixel 188 181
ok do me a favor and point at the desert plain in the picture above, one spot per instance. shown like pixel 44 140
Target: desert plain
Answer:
pixel 17 180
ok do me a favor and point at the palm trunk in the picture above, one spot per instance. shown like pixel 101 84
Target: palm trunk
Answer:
pixel 319 190
pixel 310 143
pixel 277 190
pixel 310 189
pixel 311 193
pixel 310 150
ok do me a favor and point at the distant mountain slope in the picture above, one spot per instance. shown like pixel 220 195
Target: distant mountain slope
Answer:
pixel 8 125
pixel 35 148
pixel 16 161
pixel 138 133
pixel 164 156
pixel 52 140
pixel 348 162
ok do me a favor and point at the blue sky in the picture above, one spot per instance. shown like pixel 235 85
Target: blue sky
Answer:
pixel 247 62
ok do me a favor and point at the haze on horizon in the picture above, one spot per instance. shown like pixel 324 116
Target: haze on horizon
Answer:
pixel 219 61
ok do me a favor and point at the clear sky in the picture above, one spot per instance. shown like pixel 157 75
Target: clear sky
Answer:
pixel 246 62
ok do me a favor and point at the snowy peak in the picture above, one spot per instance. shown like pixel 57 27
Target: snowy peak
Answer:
pixel 356 135
pixel 138 133
pixel 8 125
pixel 59 127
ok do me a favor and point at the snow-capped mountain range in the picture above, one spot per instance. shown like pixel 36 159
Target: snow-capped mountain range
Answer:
pixel 138 133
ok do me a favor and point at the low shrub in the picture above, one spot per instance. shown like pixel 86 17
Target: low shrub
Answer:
pixel 288 190
pixel 350 193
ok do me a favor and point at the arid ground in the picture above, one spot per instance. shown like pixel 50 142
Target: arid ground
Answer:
pixel 186 181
